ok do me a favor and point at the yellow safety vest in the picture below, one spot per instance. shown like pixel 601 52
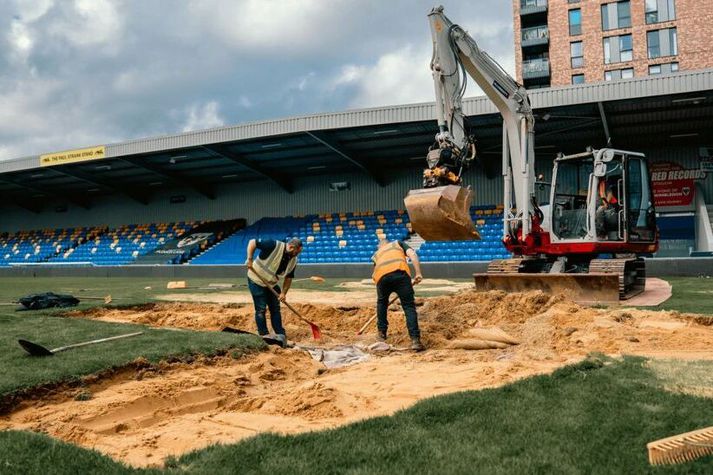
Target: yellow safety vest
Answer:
pixel 388 259
pixel 267 268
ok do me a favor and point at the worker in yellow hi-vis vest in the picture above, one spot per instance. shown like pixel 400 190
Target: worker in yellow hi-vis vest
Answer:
pixel 392 274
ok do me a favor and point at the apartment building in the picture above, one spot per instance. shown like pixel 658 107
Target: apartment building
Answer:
pixel 561 42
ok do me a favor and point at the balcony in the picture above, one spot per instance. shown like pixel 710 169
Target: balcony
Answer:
pixel 539 35
pixel 535 68
pixel 529 7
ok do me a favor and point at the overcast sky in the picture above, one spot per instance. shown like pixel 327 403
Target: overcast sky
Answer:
pixel 76 73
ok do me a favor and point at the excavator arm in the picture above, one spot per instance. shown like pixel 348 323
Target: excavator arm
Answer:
pixel 440 211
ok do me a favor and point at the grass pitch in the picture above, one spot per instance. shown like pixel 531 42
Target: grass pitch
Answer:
pixel 593 417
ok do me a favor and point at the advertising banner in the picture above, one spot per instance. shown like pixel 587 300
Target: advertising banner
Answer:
pixel 673 185
pixel 72 156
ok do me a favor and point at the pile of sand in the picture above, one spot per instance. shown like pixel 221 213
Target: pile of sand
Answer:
pixel 169 409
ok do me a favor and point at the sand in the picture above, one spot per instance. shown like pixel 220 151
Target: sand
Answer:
pixel 143 416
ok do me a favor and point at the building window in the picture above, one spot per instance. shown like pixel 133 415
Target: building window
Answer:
pixel 662 43
pixel 572 1
pixel 618 49
pixel 577 54
pixel 663 68
pixel 578 79
pixel 616 15
pixel 617 74
pixel 660 10
pixel 575 22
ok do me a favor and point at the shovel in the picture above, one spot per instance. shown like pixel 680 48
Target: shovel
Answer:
pixel 35 349
pixel 364 327
pixel 266 339
pixel 315 278
pixel 316 332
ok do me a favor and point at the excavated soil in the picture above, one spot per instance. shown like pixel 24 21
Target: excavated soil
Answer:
pixel 143 417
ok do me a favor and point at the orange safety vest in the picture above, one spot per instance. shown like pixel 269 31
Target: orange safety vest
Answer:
pixel 389 258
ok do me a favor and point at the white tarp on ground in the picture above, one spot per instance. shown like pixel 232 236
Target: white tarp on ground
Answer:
pixel 339 356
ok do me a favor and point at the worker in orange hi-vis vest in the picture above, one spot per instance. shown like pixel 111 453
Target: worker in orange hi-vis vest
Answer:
pixel 392 274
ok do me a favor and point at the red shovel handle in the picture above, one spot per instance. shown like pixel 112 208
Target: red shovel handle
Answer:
pixel 316 332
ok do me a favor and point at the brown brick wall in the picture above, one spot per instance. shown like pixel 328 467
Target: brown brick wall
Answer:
pixel 694 23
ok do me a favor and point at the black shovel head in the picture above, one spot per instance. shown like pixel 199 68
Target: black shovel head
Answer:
pixel 34 349
pixel 266 339
pixel 236 330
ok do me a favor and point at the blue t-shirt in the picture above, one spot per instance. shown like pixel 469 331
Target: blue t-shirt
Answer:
pixel 266 246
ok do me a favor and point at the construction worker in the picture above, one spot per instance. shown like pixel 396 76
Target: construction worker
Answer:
pixel 607 215
pixel 392 274
pixel 277 259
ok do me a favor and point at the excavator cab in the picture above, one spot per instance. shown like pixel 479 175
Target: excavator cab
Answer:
pixel 441 213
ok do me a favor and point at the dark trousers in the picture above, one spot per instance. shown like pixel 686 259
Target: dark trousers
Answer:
pixel 399 282
pixel 264 299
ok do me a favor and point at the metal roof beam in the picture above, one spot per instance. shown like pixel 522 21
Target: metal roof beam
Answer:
pixel 143 199
pixel 335 147
pixel 86 204
pixel 281 180
pixel 605 123
pixel 172 176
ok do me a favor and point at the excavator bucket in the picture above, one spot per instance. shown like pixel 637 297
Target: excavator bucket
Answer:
pixel 441 213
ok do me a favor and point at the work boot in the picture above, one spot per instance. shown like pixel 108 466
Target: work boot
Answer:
pixel 416 344
pixel 382 336
pixel 282 339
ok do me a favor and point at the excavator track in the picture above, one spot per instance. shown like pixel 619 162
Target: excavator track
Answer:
pixel 630 272
pixel 505 266
pixel 607 280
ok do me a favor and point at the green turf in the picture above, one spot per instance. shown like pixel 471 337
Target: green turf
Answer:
pixel 20 370
pixel 593 417
pixel 29 453
pixel 690 295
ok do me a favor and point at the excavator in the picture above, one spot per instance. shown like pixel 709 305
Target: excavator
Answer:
pixel 600 218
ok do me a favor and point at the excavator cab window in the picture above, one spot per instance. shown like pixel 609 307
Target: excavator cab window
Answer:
pixel 609 216
pixel 639 204
pixel 570 199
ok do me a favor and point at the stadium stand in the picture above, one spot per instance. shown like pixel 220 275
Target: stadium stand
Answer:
pixel 184 247
pixel 122 245
pixel 352 238
pixel 330 238
pixel 27 247
pixel 232 250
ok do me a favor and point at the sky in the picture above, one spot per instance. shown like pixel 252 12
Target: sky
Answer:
pixel 77 73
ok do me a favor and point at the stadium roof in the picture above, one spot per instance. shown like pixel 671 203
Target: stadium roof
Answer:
pixel 648 111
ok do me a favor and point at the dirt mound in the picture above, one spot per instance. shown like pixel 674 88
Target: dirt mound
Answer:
pixel 442 318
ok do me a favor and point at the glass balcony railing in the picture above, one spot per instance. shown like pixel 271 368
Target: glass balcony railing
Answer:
pixel 539 35
pixel 532 6
pixel 535 68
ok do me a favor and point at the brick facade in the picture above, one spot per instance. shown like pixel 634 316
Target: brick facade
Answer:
pixel 694 20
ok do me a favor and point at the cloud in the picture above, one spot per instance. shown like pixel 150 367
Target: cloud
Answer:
pixel 20 39
pixel 89 23
pixel 84 72
pixel 399 77
pixel 202 116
